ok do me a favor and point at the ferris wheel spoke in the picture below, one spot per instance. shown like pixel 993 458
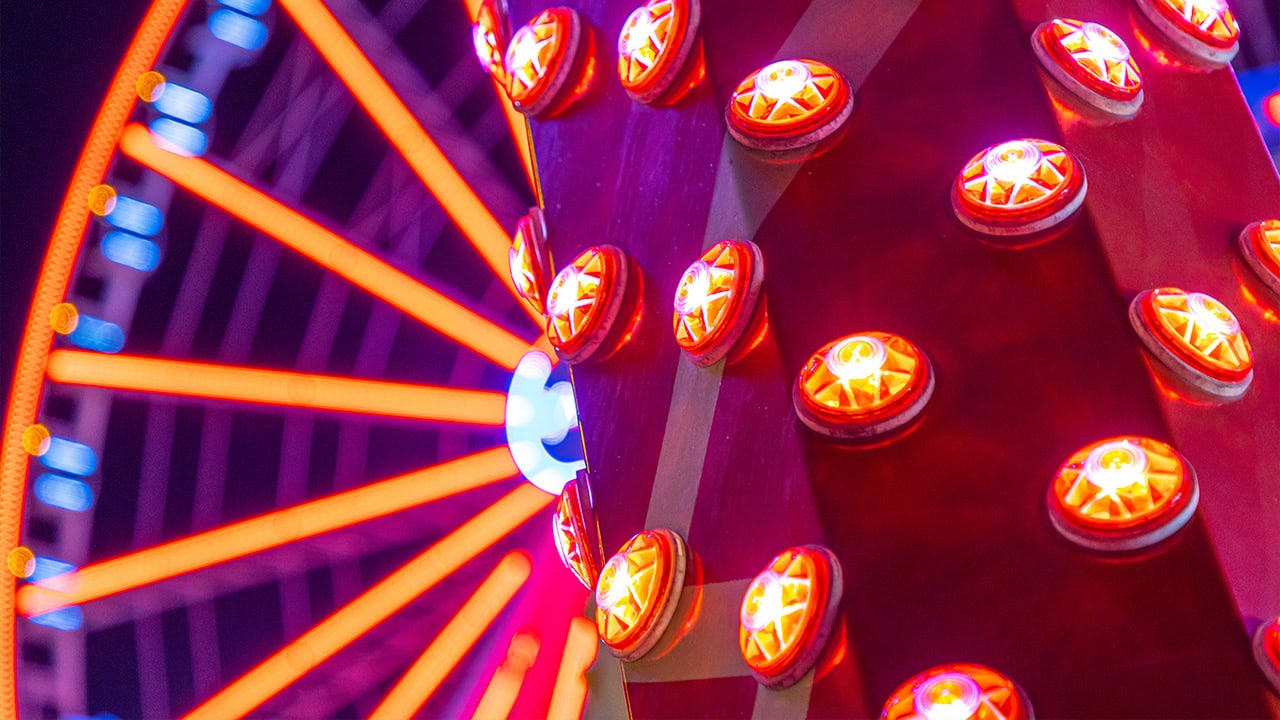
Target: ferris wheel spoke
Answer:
pixel 268 531
pixel 404 132
pixel 276 387
pixel 570 691
pixel 325 247
pixel 377 603
pixel 473 619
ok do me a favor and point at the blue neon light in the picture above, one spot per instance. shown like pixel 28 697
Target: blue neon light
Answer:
pixel 179 138
pixel 69 456
pixel 183 103
pixel 47 567
pixel 136 216
pixel 67 618
pixel 237 29
pixel 64 492
pixel 131 251
pixel 92 333
pixel 248 7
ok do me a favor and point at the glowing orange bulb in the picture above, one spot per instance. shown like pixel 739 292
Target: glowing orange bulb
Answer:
pixel 548 62
pixel 1019 187
pixel 1197 337
pixel 586 304
pixel 569 529
pixel 1091 61
pixel 638 590
pixel 489 34
pixel 1122 493
pixel 1204 28
pixel 863 385
pixel 1266 650
pixel 527 259
pixel 957 691
pixel 789 104
pixel 659 50
pixel 1260 244
pixel 787 614
pixel 717 302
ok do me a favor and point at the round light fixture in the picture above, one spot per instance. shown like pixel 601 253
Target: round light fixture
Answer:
pixel 958 691
pixel 1091 61
pixel 591 305
pixel 549 62
pixel 1018 188
pixel 1122 493
pixel 659 51
pixel 528 259
pixel 863 385
pixel 1266 650
pixel 789 104
pixel 569 529
pixel 788 613
pixel 1205 28
pixel 1260 244
pixel 1197 337
pixel 718 312
pixel 490 33
pixel 638 590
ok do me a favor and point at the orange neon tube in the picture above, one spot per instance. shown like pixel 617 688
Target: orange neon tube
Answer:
pixel 375 605
pixel 328 249
pixel 51 288
pixel 520 134
pixel 443 654
pixel 403 130
pixel 270 530
pixel 276 387
pixel 570 692
pixel 504 688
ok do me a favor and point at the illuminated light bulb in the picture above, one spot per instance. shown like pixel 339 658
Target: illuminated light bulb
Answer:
pixel 718 309
pixel 21 562
pixel 489 33
pixel 660 52
pixel 1018 188
pixel 1207 29
pixel 788 105
pixel 150 86
pixel 1092 62
pixel 591 305
pixel 1196 337
pixel 102 200
pixel 788 613
pixel 950 696
pixel 569 529
pixel 527 260
pixel 64 318
pixel 36 440
pixel 1266 651
pixel 863 386
pixel 638 591
pixel 958 691
pixel 1122 494
pixel 1260 245
pixel 549 63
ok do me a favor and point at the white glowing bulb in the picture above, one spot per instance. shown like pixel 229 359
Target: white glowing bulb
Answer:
pixel 615 583
pixel 1115 465
pixel 636 31
pixel 523 49
pixel 481 38
pixel 1212 315
pixel 694 288
pixel 1012 161
pixel 1105 43
pixel 856 358
pixel 558 535
pixel 564 292
pixel 950 696
pixel 783 79
pixel 515 265
pixel 766 591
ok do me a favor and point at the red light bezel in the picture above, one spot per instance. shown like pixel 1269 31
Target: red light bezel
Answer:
pixel 602 328
pixel 530 251
pixel 565 58
pixel 1260 245
pixel 1176 17
pixel 802 643
pixel 674 64
pixel 491 19
pixel 717 328
pixel 1003 696
pixel 663 556
pixel 827 103
pixel 1057 175
pixel 571 537
pixel 1064 49
pixel 1152 314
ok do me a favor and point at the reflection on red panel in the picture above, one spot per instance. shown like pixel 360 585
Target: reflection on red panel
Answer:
pixel 863 385
pixel 788 613
pixel 549 63
pixel 789 104
pixel 638 591
pixel 490 33
pixel 590 305
pixel 1197 337
pixel 717 302
pixel 1260 245
pixel 1204 28
pixel 659 51
pixel 958 691
pixel 1122 493
pixel 1019 187
pixel 1091 61
pixel 528 260
pixel 572 539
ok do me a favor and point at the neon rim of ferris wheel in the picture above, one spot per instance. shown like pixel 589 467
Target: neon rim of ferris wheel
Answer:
pixel 50 315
